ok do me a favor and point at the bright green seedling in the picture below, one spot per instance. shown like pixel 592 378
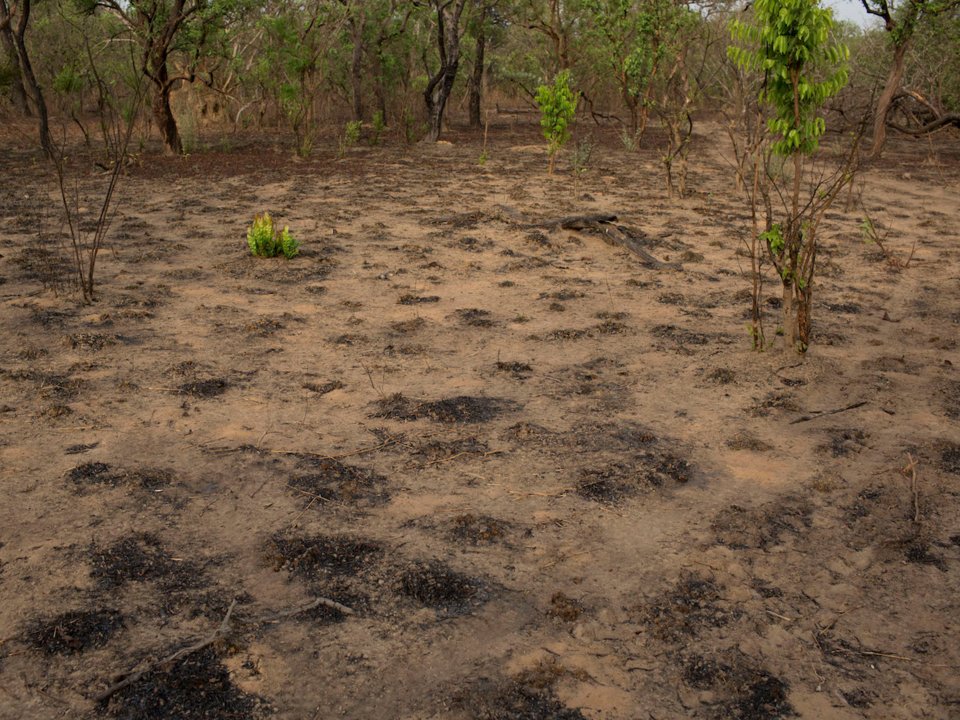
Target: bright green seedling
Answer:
pixel 265 241
pixel 557 104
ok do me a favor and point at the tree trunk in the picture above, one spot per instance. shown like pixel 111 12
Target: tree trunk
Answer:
pixel 17 93
pixel 476 81
pixel 789 318
pixel 890 89
pixel 448 43
pixel 356 68
pixel 162 112
pixel 30 84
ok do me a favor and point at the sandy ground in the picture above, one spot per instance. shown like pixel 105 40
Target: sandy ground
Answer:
pixel 542 479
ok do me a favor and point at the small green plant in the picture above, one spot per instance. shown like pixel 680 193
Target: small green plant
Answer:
pixel 558 105
pixel 351 132
pixel 379 125
pixel 266 241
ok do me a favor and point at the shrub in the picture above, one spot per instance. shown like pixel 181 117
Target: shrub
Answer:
pixel 558 105
pixel 265 241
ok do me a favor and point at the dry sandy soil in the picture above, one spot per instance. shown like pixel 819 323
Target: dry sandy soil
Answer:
pixel 537 478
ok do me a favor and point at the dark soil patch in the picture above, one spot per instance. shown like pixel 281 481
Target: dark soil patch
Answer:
pixel 519 370
pixel 320 556
pixel 417 299
pixel 759 696
pixel 209 388
pixel 682 613
pixel 680 336
pixel 323 388
pixel 196 687
pixel 478 529
pixel 722 376
pixel 436 586
pixel 950 458
pixel 747 441
pixel 762 527
pixel 333 481
pixel 460 409
pixel 517 701
pixel 440 450
pixel 609 484
pixel 474 317
pixel 567 334
pixel 844 441
pixel 141 558
pixel 919 552
pixel 74 631
pixel 565 608
pixel 96 473
pixel 92 341
pixel 80 448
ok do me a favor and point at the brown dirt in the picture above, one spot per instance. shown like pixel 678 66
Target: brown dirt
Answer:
pixel 550 481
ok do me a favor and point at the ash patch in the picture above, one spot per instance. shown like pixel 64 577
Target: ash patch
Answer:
pixel 74 632
pixel 96 473
pixel 748 692
pixel 474 317
pixel 196 687
pixel 211 387
pixel 844 441
pixel 519 370
pixel 332 481
pixel 680 336
pixel 950 458
pixel 763 527
pixel 436 586
pixel 417 299
pixel 441 450
pixel 685 611
pixel 142 558
pixel 610 484
pixel 321 556
pixel 478 529
pixel 515 700
pixel 460 409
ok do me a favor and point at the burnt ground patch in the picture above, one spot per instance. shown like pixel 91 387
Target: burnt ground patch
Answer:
pixel 141 557
pixel 693 605
pixel 748 692
pixel 208 388
pixel 320 557
pixel 762 527
pixel 475 317
pixel 74 631
pixel 514 700
pixel 443 450
pixel 329 480
pixel 614 482
pixel 100 473
pixel 478 529
pixel 950 458
pixel 680 336
pixel 435 585
pixel 459 409
pixel 95 473
pixel 196 687
pixel 519 370
pixel 843 441
pixel 563 607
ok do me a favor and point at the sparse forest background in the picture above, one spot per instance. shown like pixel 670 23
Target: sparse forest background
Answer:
pixel 199 71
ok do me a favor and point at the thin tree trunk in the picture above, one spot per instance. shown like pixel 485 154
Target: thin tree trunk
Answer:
pixel 356 68
pixel 890 89
pixel 17 93
pixel 476 81
pixel 448 44
pixel 30 83
pixel 162 111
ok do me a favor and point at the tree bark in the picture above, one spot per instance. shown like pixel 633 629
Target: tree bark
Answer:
pixel 890 89
pixel 18 95
pixel 162 111
pixel 356 67
pixel 441 83
pixel 30 84
pixel 476 81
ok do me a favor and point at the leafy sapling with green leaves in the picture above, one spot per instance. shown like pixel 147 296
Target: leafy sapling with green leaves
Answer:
pixel 266 241
pixel 558 105
pixel 789 44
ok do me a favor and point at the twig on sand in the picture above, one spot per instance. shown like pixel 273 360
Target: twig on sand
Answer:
pixel 132 677
pixel 814 415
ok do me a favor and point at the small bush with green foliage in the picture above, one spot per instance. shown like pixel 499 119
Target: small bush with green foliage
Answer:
pixel 557 104
pixel 266 241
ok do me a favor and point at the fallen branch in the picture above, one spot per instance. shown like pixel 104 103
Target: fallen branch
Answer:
pixel 824 413
pixel 317 602
pixel 132 677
